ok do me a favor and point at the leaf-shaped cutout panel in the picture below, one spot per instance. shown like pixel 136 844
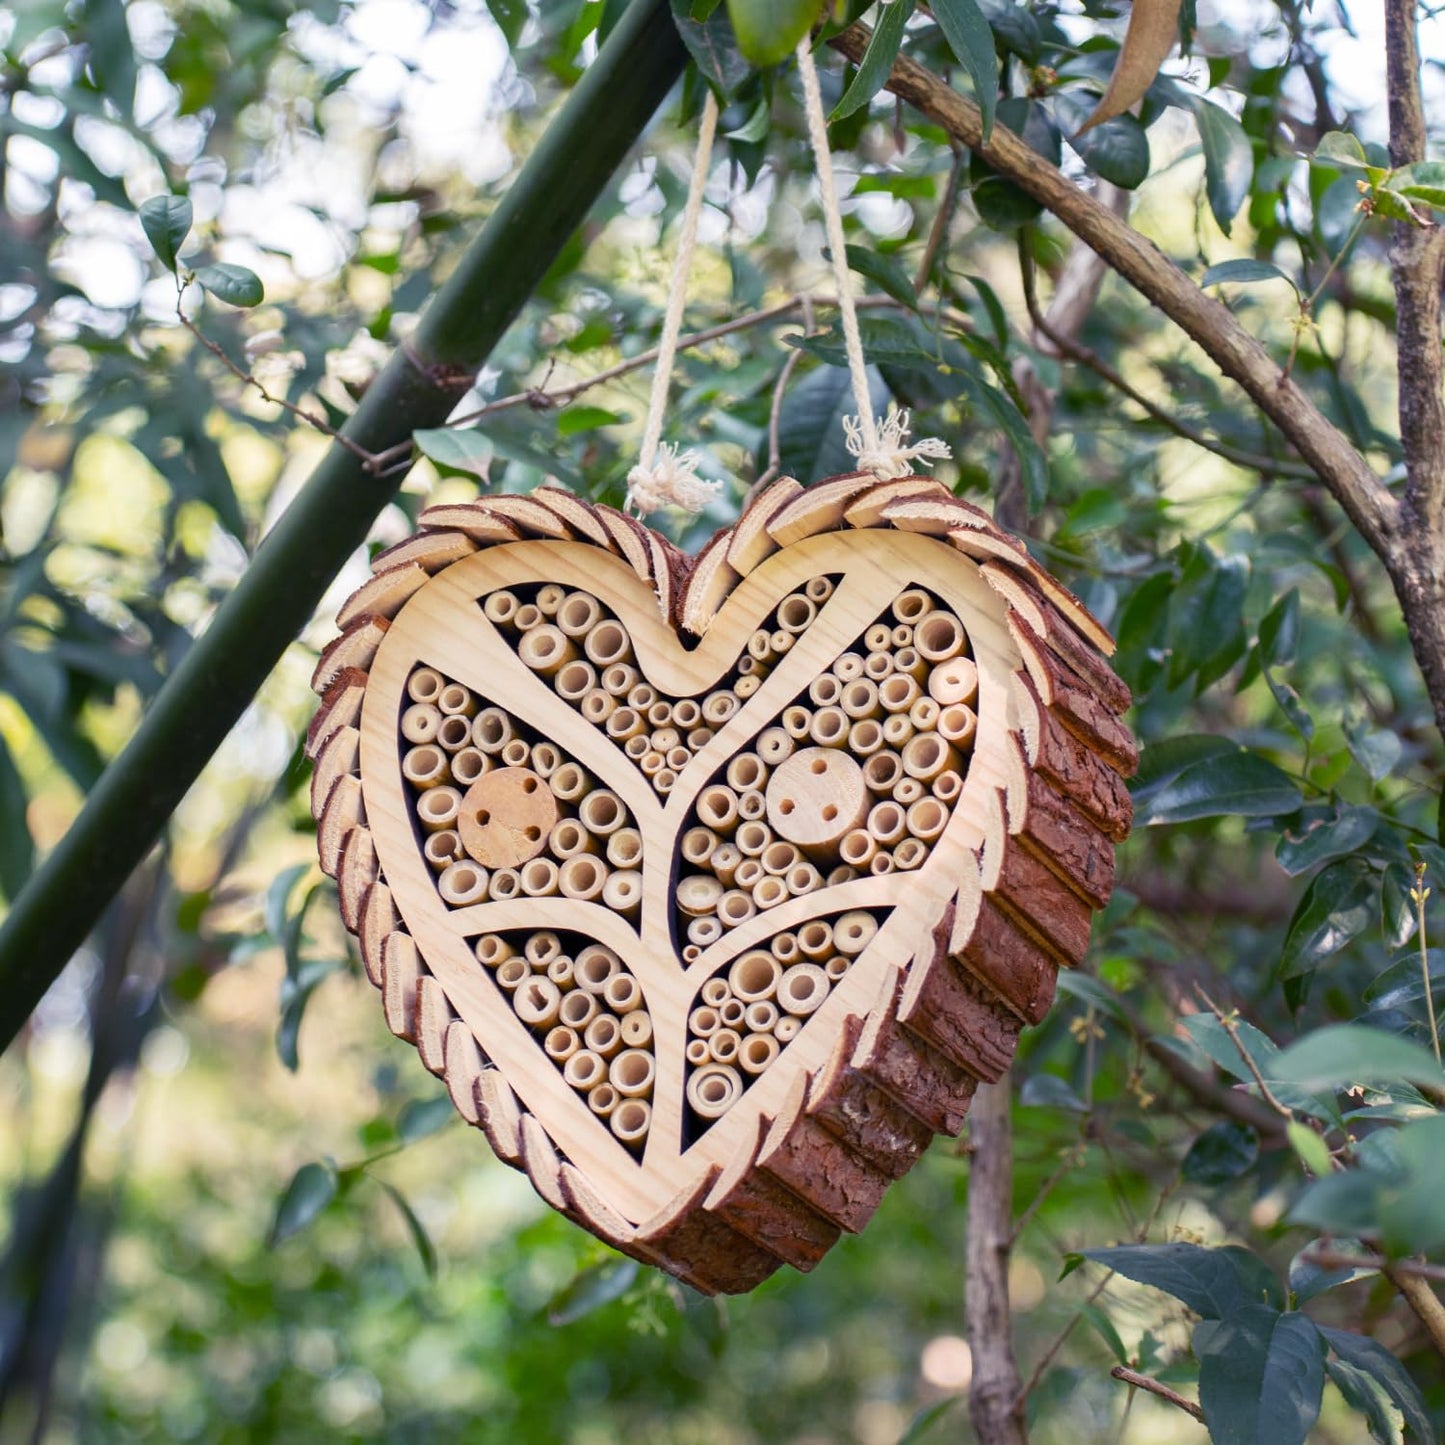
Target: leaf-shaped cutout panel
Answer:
pixel 752 1008
pixel 588 1015
pixel 585 654
pixel 858 776
pixel 503 812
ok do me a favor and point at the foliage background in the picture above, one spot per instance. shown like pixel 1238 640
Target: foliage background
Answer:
pixel 216 1036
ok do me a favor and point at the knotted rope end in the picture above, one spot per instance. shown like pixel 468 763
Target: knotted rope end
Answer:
pixel 671 481
pixel 891 454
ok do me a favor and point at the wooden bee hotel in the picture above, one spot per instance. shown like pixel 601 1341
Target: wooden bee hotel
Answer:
pixel 713 886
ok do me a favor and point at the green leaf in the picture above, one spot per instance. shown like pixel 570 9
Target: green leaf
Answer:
pixel 1206 615
pixel 235 285
pixel 1363 1392
pixel 1000 204
pixel 1403 982
pixel 1309 1148
pixel 1117 149
pixel 311 1189
pixel 1335 831
pixel 755 127
pixel 1261 1376
pixel 1244 272
pixel 969 37
pixel 1220 1154
pixel 768 31
pixel 1229 781
pixel 1376 750
pixel 1340 148
pixel 596 1286
pixel 1376 1361
pixel 462 451
pixel 420 1118
pixel 166 221
pixel 877 62
pixel 576 419
pixel 17 847
pixel 885 272
pixel 1307 1279
pixel 414 1227
pixel 1338 906
pixel 1228 162
pixel 713 48
pixel 1340 1055
pixel 1209 1281
pixel 810 425
pixel 1048 1091
pixel 511 18
pixel 1279 630
pixel 921 1425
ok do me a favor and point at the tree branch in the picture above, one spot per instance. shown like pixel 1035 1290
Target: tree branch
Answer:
pixel 1417 1293
pixel 1143 1382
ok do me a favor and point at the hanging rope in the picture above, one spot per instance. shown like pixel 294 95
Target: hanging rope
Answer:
pixel 879 444
pixel 665 476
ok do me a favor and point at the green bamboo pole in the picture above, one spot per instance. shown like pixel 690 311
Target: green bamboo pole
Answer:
pixel 220 674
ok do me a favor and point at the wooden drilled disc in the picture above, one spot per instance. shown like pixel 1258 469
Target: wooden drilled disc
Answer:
pixel 506 816
pixel 816 796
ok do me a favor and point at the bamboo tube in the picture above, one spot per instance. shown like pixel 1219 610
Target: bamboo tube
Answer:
pixel 732 1011
pixel 491 729
pixel 636 1029
pixel 836 967
pixel 453 733
pixel 938 636
pixel 542 947
pixel 664 739
pixel 746 771
pixel 911 604
pixel 437 808
pixel 898 692
pixel 442 848
pixel 860 699
pixel 768 892
pixel 462 883
pixel 469 764
pixel 570 838
pixel 908 791
pixel 546 759
pixel 561 1043
pixel 698 843
pixel 787 1029
pixel 602 1100
pixel 748 664
pixel 491 950
pixel 512 973
pixel 704 1021
pixel 677 758
pixel 425 685
pixel 647 758
pixel 624 849
pixel 723 1046
pixel 757 1052
pixel 815 940
pixel 781 642
pixel 698 738
pixel 802 878
pixel 958 724
pixel 777 858
pixel 659 714
pixel 774 745
pixel 954 681
pixel 618 679
pixel 579 614
pixel 784 947
pixel 927 819
pixel 704 931
pixel 575 680
pixel 641 695
pixel 907 662
pixel 761 1016
pixel 582 877
pixel 595 965
pixel 887 822
pixel 825 690
pixel 515 753
pixel 848 668
pixel 713 1090
pixel 528 616
pixel 506 883
pixel 752 838
pixel 622 892
pixel 686 713
pixel 584 1070
pixel 754 976
pixel 853 932
pixel 745 687
pixel 596 706
pixel 608 644
pixel 717 811
pixel 840 875
pixel 830 727
pixel 725 860
pixel 419 723
pixel 882 863
pixel 550 598
pixel 602 812
pixel 537 1002
pixel 760 645
pixel 579 1007
pixel 568 783
pixel 603 1036
pixel 632 1073
pixel 539 878
pixel 865 737
pixel 924 714
pixel 818 589
pixel 882 771
pixel 796 721
pixel 897 729
pixel 545 649
pixel 752 806
pixel 425 766
pixel 631 1120
pixel 697 1052
pixel 626 723
pixel 715 992
pixel 910 853
pixel 747 873
pixel 796 612
pixel 877 666
pixel 947 786
pixel 925 756
pixel 500 607
pixel 735 907
pixel 878 637
pixel 697 896
pixel 858 848
pixel 454 700
pixel 802 989
pixel 718 707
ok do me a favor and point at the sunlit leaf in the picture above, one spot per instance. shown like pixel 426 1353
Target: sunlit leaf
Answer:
pixel 969 37
pixel 233 284
pixel 166 221
pixel 768 31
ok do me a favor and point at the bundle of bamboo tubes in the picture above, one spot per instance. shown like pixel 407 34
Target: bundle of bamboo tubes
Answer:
pixel 505 814
pixel 588 1014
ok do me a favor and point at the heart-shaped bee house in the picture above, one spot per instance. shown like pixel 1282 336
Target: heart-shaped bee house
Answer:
pixel 712 886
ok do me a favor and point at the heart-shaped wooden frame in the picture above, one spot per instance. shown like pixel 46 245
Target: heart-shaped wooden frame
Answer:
pixel 967 956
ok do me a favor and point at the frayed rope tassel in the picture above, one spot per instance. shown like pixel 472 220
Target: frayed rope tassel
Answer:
pixel 890 455
pixel 671 481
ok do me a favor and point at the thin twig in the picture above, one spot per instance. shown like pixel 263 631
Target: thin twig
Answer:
pixel 1143 1382
pixel 1327 1258
pixel 1230 1025
pixel 1072 1159
pixel 1415 1290
pixel 941 223
pixel 775 414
